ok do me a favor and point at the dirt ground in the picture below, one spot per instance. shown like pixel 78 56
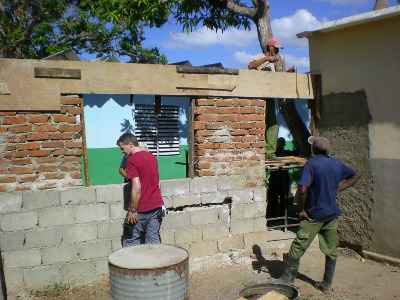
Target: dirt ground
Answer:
pixel 222 276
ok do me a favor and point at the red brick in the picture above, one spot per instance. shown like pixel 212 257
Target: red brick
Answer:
pixel 21 170
pixel 45 128
pixel 63 110
pixel 11 148
pixel 23 188
pixel 70 100
pixel 223 103
pixel 53 144
pixel 3 129
pixel 74 110
pixel 200 110
pixel 76 175
pixel 14 120
pixel 204 159
pixel 78 152
pixel 57 152
pixel 20 129
pixel 242 146
pixel 29 146
pixel 64 119
pixel 205 173
pixel 71 160
pixel 61 136
pixel 8 179
pixel 206 146
pixel 225 118
pixel 230 110
pixel 248 126
pixel 3 189
pixel 47 186
pixel 42 169
pixel 8 113
pixel 38 153
pixel 29 179
pixel 259 103
pixel 54 176
pixel 23 161
pixel 213 126
pixel 241 102
pixel 18 154
pixel 69 168
pixel 226 146
pixel 37 137
pixel 198 126
pixel 239 132
pixel 257 131
pixel 204 132
pixel 205 118
pixel 39 119
pixel 241 118
pixel 257 118
pixel 16 139
pixel 205 102
pixel 73 144
pixel 47 160
pixel 249 139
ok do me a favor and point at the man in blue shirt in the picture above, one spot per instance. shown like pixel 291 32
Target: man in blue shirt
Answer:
pixel 318 211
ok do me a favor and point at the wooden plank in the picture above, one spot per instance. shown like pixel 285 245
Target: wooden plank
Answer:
pixel 57 73
pixel 84 145
pixel 205 70
pixel 220 87
pixel 191 137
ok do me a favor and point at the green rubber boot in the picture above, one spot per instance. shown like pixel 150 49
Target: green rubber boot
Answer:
pixel 326 285
pixel 290 268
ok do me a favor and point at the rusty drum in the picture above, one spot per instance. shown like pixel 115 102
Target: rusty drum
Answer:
pixel 150 271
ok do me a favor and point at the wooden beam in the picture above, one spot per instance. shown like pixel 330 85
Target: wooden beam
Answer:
pixel 57 73
pixel 84 145
pixel 214 87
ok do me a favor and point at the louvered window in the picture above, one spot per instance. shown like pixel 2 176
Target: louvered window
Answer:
pixel 161 134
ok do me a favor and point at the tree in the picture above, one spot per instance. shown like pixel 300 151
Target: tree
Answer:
pixel 39 28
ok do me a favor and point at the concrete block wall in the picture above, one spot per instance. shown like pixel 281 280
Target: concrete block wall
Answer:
pixel 54 236
pixel 41 150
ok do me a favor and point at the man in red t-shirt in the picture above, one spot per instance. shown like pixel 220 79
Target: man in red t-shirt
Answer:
pixel 146 201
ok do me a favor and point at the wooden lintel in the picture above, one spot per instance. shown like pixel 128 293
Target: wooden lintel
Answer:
pixel 57 73
pixel 206 70
pixel 220 87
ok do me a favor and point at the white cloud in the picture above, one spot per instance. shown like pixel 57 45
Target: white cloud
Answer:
pixel 286 28
pixel 204 38
pixel 301 63
pixel 243 57
pixel 348 2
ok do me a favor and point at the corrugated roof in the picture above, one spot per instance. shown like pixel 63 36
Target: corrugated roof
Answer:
pixel 354 20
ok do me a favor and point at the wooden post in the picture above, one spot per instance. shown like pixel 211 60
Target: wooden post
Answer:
pixel 191 137
pixel 84 145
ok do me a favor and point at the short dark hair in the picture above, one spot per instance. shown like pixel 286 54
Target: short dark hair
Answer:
pixel 127 138
pixel 320 151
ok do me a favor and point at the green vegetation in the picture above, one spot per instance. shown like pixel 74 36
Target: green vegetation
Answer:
pixel 52 290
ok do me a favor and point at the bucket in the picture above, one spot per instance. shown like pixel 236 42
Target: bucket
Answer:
pixel 256 291
pixel 149 271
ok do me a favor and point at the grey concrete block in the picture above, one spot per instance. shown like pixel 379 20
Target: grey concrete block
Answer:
pixel 56 217
pixel 116 244
pixel 256 238
pixel 38 238
pixel 214 232
pixel 12 240
pixel 21 258
pixel 175 220
pixel 260 194
pixel 82 195
pixel 111 229
pixel 40 199
pixel 79 233
pixel 224 214
pixel 59 255
pixel 42 276
pixel 14 279
pixel 101 266
pixel 254 210
pixel 203 248
pixel 243 196
pixel 188 200
pixel 109 193
pixel 116 211
pixel 167 237
pixel 92 213
pixel 230 243
pixel 188 235
pixel 78 272
pixel 175 187
pixel 228 183
pixel 201 216
pixel 260 224
pixel 10 202
pixel 19 221
pixel 214 198
pixel 240 227
pixel 168 201
pixel 96 249
pixel 203 185
pixel 237 212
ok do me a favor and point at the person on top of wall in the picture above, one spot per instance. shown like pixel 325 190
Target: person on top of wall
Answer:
pixel 146 203
pixel 270 60
pixel 318 188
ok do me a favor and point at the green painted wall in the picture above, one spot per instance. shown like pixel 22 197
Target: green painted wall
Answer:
pixel 104 165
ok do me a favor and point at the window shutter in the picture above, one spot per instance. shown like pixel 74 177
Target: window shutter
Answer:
pixel 160 134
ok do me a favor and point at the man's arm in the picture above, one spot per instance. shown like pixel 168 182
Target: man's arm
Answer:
pixel 135 196
pixel 256 63
pixel 122 172
pixel 349 182
pixel 302 198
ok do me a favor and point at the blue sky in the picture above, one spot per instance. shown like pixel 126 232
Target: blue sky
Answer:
pixel 235 48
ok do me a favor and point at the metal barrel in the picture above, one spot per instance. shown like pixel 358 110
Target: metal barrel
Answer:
pixel 149 271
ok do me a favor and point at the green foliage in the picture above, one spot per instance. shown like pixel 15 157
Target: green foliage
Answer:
pixel 52 291
pixel 39 28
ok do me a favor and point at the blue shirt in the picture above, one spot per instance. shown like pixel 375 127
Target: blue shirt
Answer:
pixel 322 176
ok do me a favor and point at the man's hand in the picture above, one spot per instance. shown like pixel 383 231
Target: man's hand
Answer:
pixel 303 216
pixel 132 218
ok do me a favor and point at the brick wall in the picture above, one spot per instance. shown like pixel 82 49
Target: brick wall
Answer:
pixel 229 138
pixel 41 150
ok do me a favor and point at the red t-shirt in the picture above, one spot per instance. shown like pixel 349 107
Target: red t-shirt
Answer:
pixel 144 165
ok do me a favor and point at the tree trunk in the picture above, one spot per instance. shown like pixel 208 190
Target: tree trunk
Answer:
pixel 379 4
